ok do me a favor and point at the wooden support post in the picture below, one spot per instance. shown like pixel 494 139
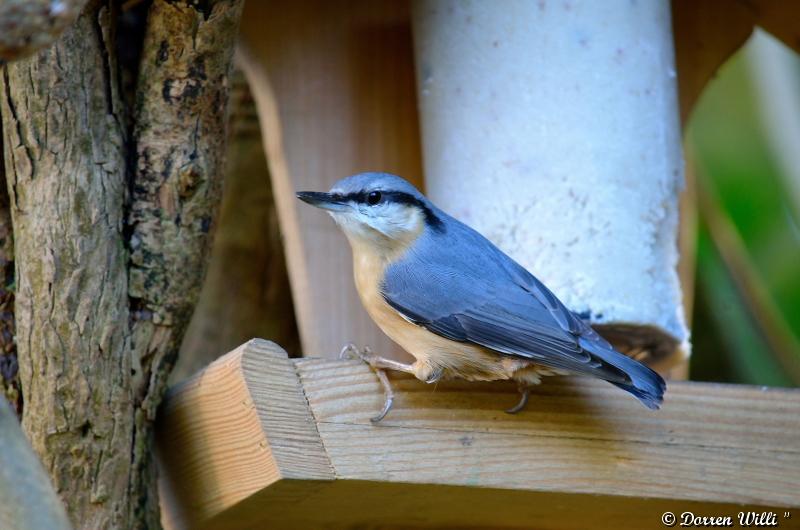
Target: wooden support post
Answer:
pixel 259 440
pixel 334 88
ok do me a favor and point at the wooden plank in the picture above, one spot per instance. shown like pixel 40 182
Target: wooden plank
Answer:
pixel 385 505
pixel 259 440
pixel 335 92
pixel 213 440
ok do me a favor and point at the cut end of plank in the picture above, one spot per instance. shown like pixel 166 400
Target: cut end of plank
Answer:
pixel 258 439
pixel 232 430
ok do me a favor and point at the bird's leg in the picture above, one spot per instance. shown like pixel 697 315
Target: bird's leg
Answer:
pixel 525 391
pixel 379 365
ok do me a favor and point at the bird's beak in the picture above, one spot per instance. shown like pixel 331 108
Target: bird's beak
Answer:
pixel 326 201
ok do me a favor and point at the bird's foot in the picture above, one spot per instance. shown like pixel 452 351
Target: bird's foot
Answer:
pixel 525 392
pixel 379 365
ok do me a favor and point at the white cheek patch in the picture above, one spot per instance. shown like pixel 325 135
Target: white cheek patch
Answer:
pixel 392 221
pixel 352 223
pixel 345 220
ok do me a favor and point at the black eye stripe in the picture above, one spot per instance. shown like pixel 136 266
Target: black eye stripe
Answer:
pixel 399 197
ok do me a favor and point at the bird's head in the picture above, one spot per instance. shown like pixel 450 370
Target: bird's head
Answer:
pixel 380 210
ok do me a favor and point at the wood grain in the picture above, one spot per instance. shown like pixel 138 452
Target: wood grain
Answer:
pixel 447 456
pixel 335 93
pixel 390 505
pixel 213 441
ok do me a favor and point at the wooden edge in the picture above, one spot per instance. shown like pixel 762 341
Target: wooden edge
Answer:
pixel 706 35
pixel 221 436
pixel 780 19
pixel 283 189
pixel 284 414
pixel 358 504
pixel 582 453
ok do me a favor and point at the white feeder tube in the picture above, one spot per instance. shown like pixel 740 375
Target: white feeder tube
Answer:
pixel 552 128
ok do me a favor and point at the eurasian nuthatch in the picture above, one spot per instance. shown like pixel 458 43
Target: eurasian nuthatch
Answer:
pixel 457 303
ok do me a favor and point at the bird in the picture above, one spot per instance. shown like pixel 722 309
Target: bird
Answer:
pixel 457 303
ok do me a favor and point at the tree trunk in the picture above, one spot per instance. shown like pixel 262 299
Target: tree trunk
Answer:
pixel 27 26
pixel 180 136
pixel 103 300
pixel 65 165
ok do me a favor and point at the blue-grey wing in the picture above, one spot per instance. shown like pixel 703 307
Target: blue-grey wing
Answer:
pixel 471 292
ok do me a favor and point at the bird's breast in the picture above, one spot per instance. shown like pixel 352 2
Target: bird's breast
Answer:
pixel 369 271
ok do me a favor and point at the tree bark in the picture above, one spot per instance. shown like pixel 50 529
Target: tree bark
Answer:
pixel 66 179
pixel 29 25
pixel 180 137
pixel 9 367
pixel 107 275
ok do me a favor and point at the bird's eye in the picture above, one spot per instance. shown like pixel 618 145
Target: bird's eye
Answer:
pixel 373 198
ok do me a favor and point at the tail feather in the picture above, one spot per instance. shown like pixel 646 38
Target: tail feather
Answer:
pixel 645 384
pixel 650 398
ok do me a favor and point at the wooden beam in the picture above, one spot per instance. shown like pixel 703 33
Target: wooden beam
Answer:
pixel 334 88
pixel 258 439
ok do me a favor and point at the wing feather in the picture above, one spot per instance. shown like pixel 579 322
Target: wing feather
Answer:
pixel 494 311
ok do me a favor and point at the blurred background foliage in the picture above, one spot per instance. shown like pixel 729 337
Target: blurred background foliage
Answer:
pixel 743 154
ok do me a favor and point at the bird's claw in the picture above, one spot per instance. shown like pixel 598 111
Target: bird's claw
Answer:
pixel 523 401
pixel 350 351
pixel 387 390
